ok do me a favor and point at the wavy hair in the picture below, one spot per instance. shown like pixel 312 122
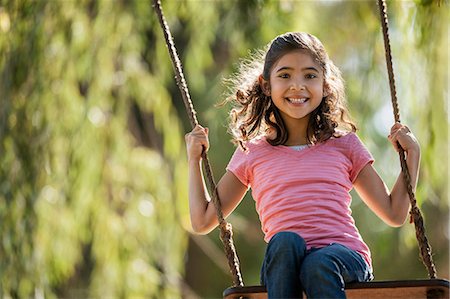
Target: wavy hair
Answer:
pixel 254 113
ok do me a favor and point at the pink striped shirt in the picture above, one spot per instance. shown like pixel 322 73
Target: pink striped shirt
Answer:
pixel 307 191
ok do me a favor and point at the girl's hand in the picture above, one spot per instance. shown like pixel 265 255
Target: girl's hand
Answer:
pixel 401 134
pixel 196 142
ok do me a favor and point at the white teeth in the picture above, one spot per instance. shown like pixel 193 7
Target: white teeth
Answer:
pixel 297 101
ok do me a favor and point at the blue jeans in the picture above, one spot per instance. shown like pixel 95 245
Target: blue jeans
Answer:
pixel 289 269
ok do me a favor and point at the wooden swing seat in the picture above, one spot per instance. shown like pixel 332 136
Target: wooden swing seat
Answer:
pixel 411 289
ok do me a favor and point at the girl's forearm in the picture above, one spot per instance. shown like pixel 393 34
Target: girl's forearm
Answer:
pixel 400 202
pixel 198 196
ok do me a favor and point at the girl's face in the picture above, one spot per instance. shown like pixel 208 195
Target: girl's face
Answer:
pixel 296 87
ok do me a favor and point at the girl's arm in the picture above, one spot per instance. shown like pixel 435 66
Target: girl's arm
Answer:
pixel 230 189
pixel 392 207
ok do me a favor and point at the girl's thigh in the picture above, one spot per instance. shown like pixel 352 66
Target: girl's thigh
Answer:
pixel 338 261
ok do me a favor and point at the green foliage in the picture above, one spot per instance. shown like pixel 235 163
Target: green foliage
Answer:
pixel 89 199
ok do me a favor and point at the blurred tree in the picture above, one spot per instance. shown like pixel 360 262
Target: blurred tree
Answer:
pixel 91 166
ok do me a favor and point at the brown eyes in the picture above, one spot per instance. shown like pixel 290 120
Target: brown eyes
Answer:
pixel 307 76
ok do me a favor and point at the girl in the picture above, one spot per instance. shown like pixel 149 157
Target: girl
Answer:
pixel 300 156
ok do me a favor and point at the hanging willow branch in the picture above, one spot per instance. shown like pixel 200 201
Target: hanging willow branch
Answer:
pixel 424 246
pixel 226 232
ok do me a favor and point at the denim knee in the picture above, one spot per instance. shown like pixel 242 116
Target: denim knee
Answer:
pixel 285 242
pixel 281 268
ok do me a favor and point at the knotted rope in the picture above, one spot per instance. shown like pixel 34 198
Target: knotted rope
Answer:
pixel 416 216
pixel 226 232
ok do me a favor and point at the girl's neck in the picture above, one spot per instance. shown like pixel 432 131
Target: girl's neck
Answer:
pixel 297 132
pixel 296 139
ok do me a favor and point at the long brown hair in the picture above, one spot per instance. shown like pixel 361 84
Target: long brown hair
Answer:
pixel 254 112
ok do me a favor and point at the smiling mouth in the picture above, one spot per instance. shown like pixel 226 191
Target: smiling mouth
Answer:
pixel 297 100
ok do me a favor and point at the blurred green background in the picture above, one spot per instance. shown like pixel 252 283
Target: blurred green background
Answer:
pixel 93 177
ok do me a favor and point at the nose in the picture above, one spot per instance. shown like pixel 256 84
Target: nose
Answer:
pixel 297 85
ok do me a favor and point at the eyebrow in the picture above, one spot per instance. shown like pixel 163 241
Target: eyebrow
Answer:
pixel 283 68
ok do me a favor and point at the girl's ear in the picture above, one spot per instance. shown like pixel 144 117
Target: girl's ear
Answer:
pixel 265 85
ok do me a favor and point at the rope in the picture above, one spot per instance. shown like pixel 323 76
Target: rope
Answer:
pixel 226 232
pixel 416 216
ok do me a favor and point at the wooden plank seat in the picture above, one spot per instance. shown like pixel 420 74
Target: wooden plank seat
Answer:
pixel 411 289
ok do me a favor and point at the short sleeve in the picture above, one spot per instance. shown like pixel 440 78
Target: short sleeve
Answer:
pixel 238 165
pixel 359 156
